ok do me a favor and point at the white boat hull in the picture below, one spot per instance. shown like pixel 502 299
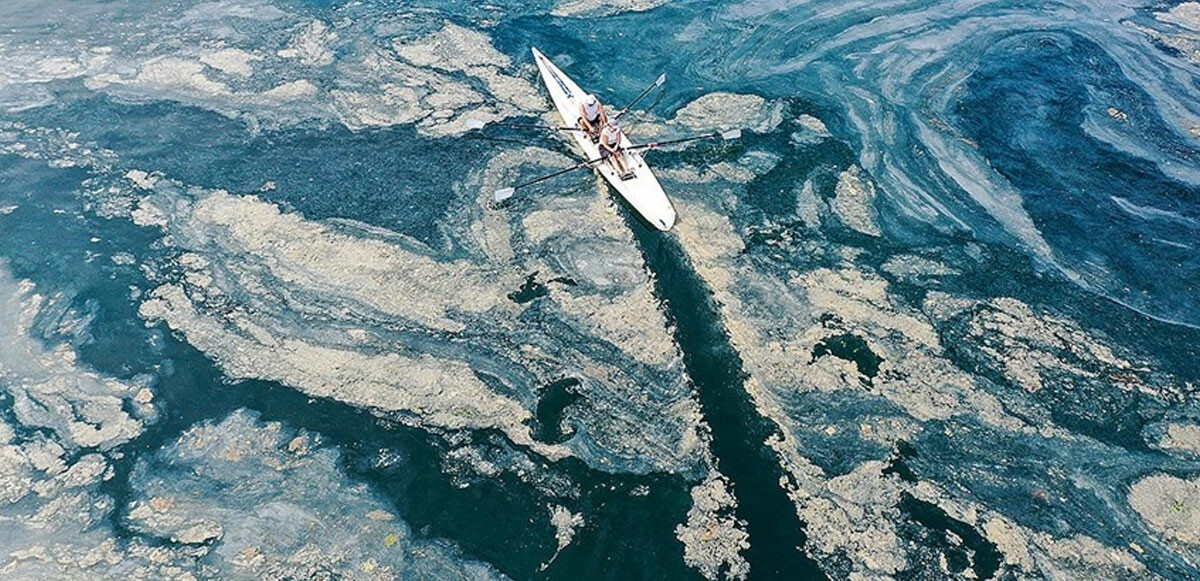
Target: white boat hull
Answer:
pixel 642 191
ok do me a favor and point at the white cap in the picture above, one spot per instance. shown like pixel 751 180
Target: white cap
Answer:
pixel 612 122
pixel 591 99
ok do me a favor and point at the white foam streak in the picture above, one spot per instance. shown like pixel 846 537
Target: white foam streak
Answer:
pixel 1151 213
pixel 223 56
pixel 391 326
pixel 713 538
pixel 596 8
pixel 50 389
pixel 244 496
pixel 379 276
pixel 855 515
pixel 897 66
pixel 987 188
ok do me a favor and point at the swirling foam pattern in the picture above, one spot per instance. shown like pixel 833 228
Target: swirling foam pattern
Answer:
pixel 933 317
pixel 984 116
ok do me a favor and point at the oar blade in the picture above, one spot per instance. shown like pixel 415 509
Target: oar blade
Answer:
pixel 731 134
pixel 661 79
pixel 475 124
pixel 503 194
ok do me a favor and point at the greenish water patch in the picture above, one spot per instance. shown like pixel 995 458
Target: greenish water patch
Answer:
pixel 850 347
pixel 898 463
pixel 738 432
pixel 554 399
pixel 966 549
pixel 532 289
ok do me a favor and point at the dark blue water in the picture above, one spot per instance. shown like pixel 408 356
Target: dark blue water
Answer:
pixel 1075 186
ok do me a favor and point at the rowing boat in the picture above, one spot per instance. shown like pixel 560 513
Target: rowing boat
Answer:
pixel 641 190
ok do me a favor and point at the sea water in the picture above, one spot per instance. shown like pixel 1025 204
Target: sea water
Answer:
pixel 933 316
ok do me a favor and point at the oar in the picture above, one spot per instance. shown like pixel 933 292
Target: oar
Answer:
pixel 657 83
pixel 724 135
pixel 505 193
pixel 476 124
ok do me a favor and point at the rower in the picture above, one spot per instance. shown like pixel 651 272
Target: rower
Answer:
pixel 610 147
pixel 592 116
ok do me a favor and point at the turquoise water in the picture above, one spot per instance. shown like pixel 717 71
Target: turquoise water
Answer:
pixel 933 316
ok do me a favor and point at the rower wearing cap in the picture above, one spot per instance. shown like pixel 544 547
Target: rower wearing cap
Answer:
pixel 592 116
pixel 610 147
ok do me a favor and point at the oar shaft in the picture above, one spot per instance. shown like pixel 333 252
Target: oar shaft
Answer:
pixel 646 91
pixel 653 145
pixel 579 165
pixel 589 162
pixel 531 125
pixel 505 193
